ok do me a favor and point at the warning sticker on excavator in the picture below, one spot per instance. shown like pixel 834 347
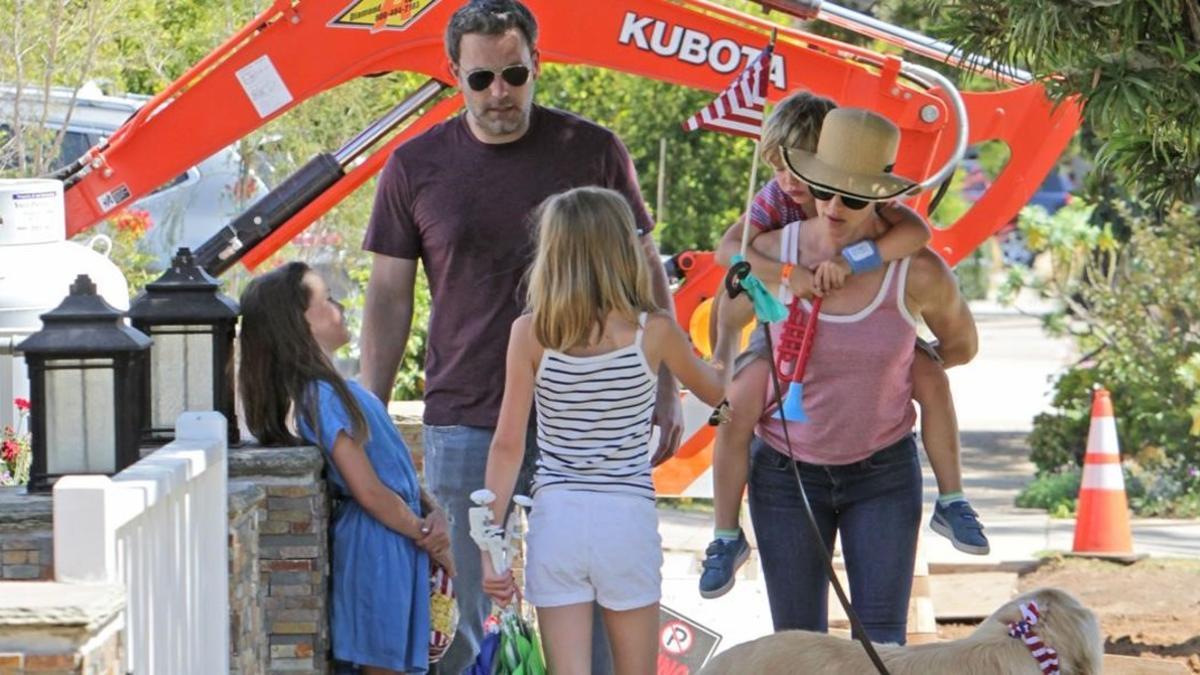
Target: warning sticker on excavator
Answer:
pixel 377 15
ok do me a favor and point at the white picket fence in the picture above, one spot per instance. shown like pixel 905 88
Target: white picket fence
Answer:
pixel 159 528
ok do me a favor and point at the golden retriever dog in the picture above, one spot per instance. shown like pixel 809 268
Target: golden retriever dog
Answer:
pixel 1058 619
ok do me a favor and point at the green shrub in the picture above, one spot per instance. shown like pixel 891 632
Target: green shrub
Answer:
pixel 1054 492
pixel 1135 312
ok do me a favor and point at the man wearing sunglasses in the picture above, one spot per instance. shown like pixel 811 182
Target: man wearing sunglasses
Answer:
pixel 459 199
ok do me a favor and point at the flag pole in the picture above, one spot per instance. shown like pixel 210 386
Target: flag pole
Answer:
pixel 750 199
pixel 754 166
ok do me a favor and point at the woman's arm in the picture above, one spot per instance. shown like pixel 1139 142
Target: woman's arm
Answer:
pixel 675 351
pixel 932 293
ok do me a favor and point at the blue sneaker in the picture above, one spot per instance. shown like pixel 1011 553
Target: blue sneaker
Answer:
pixel 959 523
pixel 721 562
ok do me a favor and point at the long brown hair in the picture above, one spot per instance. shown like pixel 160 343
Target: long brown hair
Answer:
pixel 281 362
pixel 588 263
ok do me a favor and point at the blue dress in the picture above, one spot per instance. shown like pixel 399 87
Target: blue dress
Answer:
pixel 380 578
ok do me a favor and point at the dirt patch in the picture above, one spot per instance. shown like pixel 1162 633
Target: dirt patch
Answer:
pixel 1149 609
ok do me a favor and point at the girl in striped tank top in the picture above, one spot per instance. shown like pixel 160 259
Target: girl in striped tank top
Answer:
pixel 586 356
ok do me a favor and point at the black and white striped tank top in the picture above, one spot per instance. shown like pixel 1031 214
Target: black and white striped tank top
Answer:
pixel 594 420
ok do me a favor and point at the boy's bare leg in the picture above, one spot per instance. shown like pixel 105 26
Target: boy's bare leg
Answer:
pixel 953 516
pixel 731 450
pixel 939 423
pixel 732 315
pixel 729 548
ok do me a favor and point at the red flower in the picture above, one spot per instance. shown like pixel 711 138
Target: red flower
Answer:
pixel 21 403
pixel 133 221
pixel 9 450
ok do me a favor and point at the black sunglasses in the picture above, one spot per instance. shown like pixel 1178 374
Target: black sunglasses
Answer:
pixel 478 80
pixel 852 203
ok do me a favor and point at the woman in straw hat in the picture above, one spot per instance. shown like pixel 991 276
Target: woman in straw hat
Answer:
pixel 856 453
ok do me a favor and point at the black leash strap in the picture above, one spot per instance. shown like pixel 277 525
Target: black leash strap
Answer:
pixel 733 278
pixel 855 625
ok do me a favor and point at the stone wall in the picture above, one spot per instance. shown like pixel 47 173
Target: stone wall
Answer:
pixel 26 541
pixel 59 629
pixel 248 650
pixel 293 553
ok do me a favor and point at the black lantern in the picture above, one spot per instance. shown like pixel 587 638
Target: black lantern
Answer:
pixel 191 362
pixel 85 380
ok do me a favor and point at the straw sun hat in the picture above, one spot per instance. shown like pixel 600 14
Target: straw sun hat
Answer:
pixel 854 156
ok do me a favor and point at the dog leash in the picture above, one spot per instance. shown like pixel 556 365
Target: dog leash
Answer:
pixel 855 624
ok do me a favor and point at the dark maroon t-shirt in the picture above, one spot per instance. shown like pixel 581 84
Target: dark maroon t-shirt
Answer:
pixel 465 209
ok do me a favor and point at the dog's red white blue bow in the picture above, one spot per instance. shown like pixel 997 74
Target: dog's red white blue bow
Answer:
pixel 1046 657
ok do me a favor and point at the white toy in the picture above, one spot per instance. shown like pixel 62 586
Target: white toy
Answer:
pixel 500 543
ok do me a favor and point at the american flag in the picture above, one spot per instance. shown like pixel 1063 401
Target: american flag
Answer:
pixel 739 109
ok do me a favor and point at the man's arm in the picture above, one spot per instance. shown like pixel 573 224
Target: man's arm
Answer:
pixel 668 411
pixel 387 320
pixel 933 292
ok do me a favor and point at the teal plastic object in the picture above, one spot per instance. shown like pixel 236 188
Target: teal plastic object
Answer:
pixel 767 307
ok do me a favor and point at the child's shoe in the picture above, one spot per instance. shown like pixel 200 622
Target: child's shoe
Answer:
pixel 959 523
pixel 722 559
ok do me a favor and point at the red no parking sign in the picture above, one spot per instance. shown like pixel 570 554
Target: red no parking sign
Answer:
pixel 683 645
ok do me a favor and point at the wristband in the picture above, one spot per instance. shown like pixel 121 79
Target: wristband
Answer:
pixel 785 273
pixel 862 256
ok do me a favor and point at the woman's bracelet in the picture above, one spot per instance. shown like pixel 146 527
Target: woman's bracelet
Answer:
pixel 862 256
pixel 785 273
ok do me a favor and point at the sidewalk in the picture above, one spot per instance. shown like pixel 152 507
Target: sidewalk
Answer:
pixel 996 396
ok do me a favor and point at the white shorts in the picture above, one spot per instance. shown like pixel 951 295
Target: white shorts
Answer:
pixel 585 546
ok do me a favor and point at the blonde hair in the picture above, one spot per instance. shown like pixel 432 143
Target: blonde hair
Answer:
pixel 794 123
pixel 589 263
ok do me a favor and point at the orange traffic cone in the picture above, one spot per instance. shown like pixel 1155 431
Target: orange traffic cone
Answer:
pixel 1102 525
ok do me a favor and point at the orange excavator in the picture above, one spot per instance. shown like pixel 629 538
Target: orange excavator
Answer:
pixel 296 49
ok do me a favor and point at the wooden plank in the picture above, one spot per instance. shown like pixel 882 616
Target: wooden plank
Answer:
pixel 956 597
pixel 1130 665
pixel 971 597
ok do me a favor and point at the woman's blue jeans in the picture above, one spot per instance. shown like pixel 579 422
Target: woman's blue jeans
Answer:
pixel 875 505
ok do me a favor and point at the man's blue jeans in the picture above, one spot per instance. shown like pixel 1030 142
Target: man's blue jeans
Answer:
pixel 875 505
pixel 455 463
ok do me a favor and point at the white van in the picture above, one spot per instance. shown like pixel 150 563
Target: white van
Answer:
pixel 184 211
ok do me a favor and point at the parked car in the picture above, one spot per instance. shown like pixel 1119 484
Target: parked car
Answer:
pixel 1053 194
pixel 185 210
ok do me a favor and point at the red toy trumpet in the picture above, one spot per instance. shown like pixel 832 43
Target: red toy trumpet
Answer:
pixel 795 344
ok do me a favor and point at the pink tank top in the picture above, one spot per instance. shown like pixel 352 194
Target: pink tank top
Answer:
pixel 858 383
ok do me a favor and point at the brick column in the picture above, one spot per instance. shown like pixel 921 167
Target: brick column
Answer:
pixel 248 651
pixel 293 553
pixel 26 537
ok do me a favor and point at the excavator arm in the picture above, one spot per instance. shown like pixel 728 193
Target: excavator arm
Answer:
pixel 296 49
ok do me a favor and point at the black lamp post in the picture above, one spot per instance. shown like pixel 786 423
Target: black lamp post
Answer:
pixel 191 363
pixel 85 377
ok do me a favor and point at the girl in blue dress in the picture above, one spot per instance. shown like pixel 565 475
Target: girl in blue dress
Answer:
pixel 386 528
